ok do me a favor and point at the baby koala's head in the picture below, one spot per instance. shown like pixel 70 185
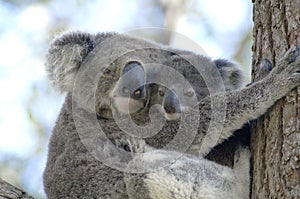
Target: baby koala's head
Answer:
pixel 186 79
pixel 175 100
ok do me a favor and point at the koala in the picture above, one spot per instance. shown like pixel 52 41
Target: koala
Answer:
pixel 178 96
pixel 103 145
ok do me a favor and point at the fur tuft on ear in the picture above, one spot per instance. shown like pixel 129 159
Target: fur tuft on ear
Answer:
pixel 64 57
pixel 231 73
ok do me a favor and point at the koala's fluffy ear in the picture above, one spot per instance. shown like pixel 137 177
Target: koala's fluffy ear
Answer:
pixel 64 57
pixel 231 74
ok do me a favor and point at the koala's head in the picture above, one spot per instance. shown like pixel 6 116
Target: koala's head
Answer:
pixel 106 71
pixel 110 72
pixel 182 96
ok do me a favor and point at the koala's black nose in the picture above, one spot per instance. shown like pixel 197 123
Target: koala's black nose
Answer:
pixel 171 103
pixel 138 93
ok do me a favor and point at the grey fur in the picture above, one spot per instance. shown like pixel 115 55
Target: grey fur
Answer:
pixel 180 96
pixel 191 177
pixel 73 172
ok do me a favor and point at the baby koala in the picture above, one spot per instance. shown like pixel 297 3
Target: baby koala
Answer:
pixel 183 92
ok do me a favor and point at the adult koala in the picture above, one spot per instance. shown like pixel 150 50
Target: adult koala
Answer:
pixel 111 76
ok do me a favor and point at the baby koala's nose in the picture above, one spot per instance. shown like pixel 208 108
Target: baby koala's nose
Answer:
pixel 171 103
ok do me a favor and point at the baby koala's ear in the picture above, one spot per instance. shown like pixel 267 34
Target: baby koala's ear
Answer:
pixel 231 74
pixel 65 56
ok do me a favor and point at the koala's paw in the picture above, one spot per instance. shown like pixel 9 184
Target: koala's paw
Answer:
pixel 151 161
pixel 288 68
pixel 293 68
pixel 290 61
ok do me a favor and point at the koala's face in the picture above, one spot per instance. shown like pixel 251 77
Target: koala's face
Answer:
pixel 123 85
pixel 129 93
pixel 176 100
pixel 183 88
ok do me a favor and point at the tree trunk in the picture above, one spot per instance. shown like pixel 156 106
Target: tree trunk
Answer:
pixel 275 140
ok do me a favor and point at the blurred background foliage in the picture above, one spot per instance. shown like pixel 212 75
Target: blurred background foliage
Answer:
pixel 28 104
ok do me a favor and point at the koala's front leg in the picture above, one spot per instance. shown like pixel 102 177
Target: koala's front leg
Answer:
pixel 251 102
pixel 188 177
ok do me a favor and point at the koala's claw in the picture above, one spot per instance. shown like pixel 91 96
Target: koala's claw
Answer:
pixel 293 54
pixel 289 62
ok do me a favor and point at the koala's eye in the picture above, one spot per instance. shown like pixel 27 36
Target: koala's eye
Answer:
pixel 126 90
pixel 137 92
pixel 161 92
pixel 190 93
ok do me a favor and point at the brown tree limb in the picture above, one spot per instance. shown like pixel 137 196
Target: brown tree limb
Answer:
pixel 11 192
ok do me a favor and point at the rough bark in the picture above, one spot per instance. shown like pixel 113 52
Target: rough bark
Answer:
pixel 275 140
pixel 11 192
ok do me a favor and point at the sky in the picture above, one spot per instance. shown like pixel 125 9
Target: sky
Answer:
pixel 24 37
